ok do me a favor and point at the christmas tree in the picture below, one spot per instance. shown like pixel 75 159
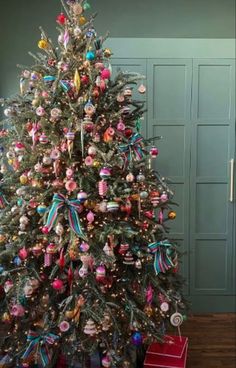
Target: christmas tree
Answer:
pixel 86 262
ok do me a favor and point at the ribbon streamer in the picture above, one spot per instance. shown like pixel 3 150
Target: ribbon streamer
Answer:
pixel 3 201
pixel 134 145
pixel 73 205
pixel 165 256
pixel 38 344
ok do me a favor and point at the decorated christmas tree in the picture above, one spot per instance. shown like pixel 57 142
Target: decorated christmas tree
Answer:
pixel 86 262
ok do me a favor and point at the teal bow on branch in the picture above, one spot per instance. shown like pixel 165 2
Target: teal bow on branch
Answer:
pixel 73 206
pixel 165 255
pixel 133 146
pixel 39 346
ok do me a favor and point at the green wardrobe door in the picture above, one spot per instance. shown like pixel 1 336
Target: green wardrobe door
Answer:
pixel 169 103
pixel 212 148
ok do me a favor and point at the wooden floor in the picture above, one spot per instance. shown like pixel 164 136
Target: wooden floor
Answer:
pixel 212 341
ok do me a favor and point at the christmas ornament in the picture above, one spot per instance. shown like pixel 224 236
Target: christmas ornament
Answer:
pixel 57 284
pixel 105 173
pixel 90 328
pixel 142 89
pixel 102 188
pixel 137 338
pixel 172 215
pixel 64 326
pixel 61 19
pixel 128 258
pixel 100 273
pixel 154 152
pixel 112 206
pixel 106 361
pixel 176 319
pixel 90 56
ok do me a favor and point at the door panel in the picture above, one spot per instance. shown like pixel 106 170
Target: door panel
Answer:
pixel 212 146
pixel 169 103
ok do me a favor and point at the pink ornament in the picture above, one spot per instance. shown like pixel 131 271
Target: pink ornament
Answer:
pixel 149 294
pixel 23 253
pixel 105 74
pixel 96 138
pixel 64 326
pixel 55 154
pixel 17 310
pixel 84 247
pixel 120 126
pixel 106 361
pixel 88 161
pixel 45 230
pixel 102 188
pixel 90 217
pixel 8 285
pixel 45 94
pixel 57 284
pixel 105 173
pixel 100 273
pixel 19 147
pixel 43 138
pixel 130 178
pixel 154 152
pixel 38 168
pixel 69 173
pixel 164 197
pixel 99 66
pixel 40 111
pixel 70 185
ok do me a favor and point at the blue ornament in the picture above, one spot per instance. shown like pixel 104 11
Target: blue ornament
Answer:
pixel 1 149
pixel 41 209
pixel 19 202
pixel 91 33
pixel 17 261
pixel 90 55
pixel 1 269
pixel 137 338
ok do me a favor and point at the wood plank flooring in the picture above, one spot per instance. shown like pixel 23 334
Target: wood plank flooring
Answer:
pixel 212 341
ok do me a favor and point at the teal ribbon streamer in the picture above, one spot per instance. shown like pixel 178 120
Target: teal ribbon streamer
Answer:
pixel 39 344
pixel 73 205
pixel 165 255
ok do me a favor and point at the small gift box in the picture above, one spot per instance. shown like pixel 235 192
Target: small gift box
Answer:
pixel 172 353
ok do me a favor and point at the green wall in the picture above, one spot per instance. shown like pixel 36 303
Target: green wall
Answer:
pixel 19 21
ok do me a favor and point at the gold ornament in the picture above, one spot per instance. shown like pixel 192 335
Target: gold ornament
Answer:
pixel 43 44
pixel 96 163
pixel 2 238
pixel 172 215
pixel 107 52
pixel 77 9
pixel 77 80
pixel 82 20
pixel 148 310
pixel 75 313
pixel 23 179
pixel 6 317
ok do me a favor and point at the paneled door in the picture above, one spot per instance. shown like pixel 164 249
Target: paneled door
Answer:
pixel 211 199
pixel 169 113
pixel 191 103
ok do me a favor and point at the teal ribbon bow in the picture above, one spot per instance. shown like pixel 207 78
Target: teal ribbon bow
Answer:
pixel 165 255
pixel 73 206
pixel 39 344
pixel 134 145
